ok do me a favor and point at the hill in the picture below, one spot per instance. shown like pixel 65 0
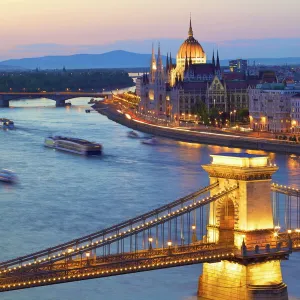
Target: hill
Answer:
pixel 4 67
pixel 113 59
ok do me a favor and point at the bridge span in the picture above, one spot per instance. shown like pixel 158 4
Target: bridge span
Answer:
pixel 59 97
pixel 240 224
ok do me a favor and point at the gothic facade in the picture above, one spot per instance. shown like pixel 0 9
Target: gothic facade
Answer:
pixel 173 91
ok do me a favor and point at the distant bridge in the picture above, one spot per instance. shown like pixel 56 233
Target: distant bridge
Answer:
pixel 59 97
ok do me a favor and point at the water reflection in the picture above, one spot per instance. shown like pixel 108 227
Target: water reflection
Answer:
pixel 62 196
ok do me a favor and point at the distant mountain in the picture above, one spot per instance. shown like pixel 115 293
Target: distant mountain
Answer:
pixel 268 61
pixel 10 68
pixel 113 59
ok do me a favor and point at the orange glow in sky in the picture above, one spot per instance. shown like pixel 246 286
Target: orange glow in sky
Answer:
pixel 94 22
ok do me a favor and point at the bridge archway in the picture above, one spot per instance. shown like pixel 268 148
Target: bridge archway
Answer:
pixel 226 221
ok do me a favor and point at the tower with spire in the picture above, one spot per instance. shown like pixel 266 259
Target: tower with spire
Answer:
pixel 190 34
pixel 159 74
pixel 153 67
pixel 213 59
pixel 218 66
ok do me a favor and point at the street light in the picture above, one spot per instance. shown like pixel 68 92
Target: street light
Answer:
pixel 234 116
pixel 194 236
pixel 150 239
pixel 169 247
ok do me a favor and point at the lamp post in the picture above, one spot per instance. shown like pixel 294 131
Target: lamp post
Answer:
pixel 194 236
pixel 169 247
pixel 88 254
pixel 150 239
pixel 234 114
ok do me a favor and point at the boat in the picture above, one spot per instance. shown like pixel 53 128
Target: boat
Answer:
pixel 6 124
pixel 7 176
pixel 73 145
pixel 133 134
pixel 150 141
pixel 68 104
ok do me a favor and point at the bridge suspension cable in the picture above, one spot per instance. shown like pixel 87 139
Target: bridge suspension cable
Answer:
pixel 65 248
pixel 154 239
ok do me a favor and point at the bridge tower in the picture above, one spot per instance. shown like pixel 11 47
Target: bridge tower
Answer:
pixel 243 220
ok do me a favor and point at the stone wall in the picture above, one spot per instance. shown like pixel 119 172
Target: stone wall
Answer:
pixel 232 281
pixel 186 136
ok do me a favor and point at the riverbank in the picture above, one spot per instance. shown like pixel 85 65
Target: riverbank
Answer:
pixel 201 137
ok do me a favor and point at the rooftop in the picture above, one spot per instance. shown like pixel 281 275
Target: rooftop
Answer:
pixel 247 155
pixel 242 160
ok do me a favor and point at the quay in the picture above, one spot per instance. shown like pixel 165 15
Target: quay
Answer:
pixel 109 109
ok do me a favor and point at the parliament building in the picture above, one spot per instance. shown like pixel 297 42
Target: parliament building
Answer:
pixel 173 91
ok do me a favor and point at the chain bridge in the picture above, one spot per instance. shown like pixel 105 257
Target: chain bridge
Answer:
pixel 59 97
pixel 239 227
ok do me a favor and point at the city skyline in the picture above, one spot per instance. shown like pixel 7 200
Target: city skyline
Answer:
pixel 81 27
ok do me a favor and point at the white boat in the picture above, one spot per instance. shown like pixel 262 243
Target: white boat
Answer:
pixel 133 134
pixel 6 124
pixel 150 141
pixel 7 176
pixel 73 145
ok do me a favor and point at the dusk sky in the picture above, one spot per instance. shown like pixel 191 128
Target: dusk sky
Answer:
pixel 42 27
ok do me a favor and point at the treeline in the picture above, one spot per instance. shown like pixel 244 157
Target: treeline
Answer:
pixel 64 80
pixel 219 118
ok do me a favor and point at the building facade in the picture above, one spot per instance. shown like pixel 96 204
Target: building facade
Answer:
pixel 295 113
pixel 238 65
pixel 270 107
pixel 174 91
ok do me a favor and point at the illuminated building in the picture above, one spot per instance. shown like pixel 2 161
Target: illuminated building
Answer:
pixel 238 65
pixel 295 113
pixel 173 92
pixel 270 107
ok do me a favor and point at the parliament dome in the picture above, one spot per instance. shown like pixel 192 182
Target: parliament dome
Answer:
pixel 191 49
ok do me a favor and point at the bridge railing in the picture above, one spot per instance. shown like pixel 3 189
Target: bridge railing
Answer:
pixel 286 207
pixel 74 246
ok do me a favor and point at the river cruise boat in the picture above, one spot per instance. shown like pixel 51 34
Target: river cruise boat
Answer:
pixel 73 145
pixel 6 124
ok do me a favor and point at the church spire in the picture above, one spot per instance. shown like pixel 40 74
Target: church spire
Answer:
pixel 218 67
pixel 159 60
pixel 213 58
pixel 160 69
pixel 190 29
pixel 171 63
pixel 153 65
pixel 167 63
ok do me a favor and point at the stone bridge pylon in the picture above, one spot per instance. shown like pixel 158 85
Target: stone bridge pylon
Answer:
pixel 243 219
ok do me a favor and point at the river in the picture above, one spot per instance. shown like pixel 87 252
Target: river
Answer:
pixel 61 196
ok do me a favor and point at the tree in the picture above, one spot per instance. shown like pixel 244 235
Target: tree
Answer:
pixel 243 115
pixel 201 111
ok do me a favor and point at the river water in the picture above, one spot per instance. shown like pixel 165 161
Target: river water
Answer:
pixel 61 196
